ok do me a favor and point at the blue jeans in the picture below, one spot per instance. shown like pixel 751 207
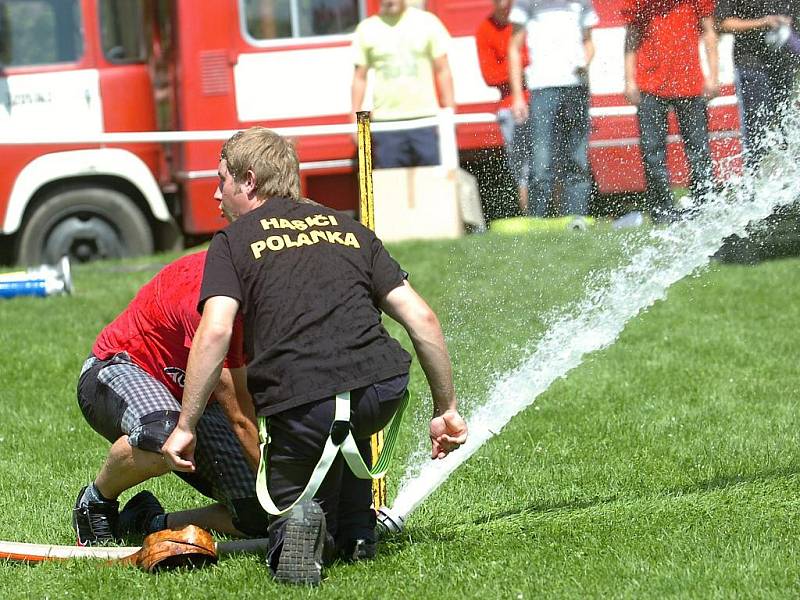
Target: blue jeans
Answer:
pixel 559 124
pixel 693 123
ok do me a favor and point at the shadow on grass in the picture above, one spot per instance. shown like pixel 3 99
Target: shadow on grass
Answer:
pixel 453 534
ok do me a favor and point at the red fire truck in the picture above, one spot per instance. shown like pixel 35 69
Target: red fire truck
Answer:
pixel 112 113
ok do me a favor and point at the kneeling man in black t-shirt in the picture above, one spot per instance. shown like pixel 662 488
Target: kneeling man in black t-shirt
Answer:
pixel 311 283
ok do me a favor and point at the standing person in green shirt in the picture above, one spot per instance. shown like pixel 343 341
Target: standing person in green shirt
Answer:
pixel 407 48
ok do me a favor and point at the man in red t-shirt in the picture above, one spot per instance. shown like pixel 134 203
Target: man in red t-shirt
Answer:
pixel 130 391
pixel 663 72
pixel 492 38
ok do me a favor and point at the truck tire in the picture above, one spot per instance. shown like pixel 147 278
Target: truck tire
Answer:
pixel 85 223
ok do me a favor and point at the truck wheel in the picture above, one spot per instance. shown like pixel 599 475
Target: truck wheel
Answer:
pixel 86 224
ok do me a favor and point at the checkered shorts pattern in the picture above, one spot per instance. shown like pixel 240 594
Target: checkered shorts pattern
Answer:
pixel 221 464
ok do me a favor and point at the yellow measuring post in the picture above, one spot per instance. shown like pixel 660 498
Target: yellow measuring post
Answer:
pixel 367 215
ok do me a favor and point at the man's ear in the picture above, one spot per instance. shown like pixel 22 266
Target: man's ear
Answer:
pixel 250 183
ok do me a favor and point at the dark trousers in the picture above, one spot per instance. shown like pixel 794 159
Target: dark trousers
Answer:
pixel 763 97
pixel 297 437
pixel 693 124
pixel 406 148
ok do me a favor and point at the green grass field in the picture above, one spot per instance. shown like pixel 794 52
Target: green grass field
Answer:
pixel 665 465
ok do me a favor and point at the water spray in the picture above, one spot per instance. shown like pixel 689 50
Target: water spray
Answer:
pixel 668 255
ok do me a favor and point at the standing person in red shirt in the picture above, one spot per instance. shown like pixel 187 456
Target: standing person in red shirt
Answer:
pixel 663 72
pixel 492 39
pixel 130 392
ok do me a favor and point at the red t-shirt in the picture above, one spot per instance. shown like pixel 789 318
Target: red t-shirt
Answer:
pixel 157 327
pixel 492 41
pixel 668 58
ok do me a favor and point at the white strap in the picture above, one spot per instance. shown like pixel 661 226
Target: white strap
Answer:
pixel 349 450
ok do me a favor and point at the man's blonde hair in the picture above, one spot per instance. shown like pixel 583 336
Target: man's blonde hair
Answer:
pixel 272 159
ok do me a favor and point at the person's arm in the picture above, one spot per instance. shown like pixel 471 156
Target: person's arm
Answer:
pixel 237 404
pixel 209 347
pixel 739 25
pixel 632 40
pixel 518 104
pixel 447 429
pixel 588 47
pixel 358 88
pixel 711 43
pixel 588 54
pixel 444 79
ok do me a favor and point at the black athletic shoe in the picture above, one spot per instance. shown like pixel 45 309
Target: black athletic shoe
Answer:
pixel 304 540
pixel 359 549
pixel 137 516
pixel 94 522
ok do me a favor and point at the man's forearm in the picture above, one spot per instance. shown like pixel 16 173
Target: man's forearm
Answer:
pixel 630 67
pixel 444 79
pixel 446 86
pixel 588 48
pixel 358 91
pixel 737 25
pixel 711 43
pixel 432 353
pixel 515 66
pixel 237 404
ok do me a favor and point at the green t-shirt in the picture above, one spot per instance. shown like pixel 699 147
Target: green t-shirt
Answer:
pixel 401 52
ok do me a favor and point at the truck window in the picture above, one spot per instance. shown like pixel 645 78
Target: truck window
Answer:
pixel 122 31
pixel 40 32
pixel 276 19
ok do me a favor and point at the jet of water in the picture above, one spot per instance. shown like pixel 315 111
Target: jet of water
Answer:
pixel 667 256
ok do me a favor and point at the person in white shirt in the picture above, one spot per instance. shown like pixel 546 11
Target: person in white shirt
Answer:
pixel 558 35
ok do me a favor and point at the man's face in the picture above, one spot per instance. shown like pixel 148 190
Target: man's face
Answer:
pixel 392 7
pixel 232 197
pixel 502 8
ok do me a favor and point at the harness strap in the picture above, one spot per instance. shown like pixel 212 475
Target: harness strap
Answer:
pixel 340 438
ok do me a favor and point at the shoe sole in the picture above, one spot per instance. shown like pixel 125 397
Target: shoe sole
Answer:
pixel 301 557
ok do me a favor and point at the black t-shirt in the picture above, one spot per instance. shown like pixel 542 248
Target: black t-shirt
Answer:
pixel 309 280
pixel 750 48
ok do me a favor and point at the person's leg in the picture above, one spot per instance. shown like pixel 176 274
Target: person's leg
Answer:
pixel 522 144
pixel 134 412
pixel 543 108
pixel 223 474
pixel 125 467
pixel 517 144
pixel 214 517
pixel 573 157
pixel 424 143
pixel 372 408
pixel 297 437
pixel 693 121
pixel 754 95
pixel 652 114
pixel 226 476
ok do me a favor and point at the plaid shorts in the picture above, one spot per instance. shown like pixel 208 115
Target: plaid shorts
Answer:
pixel 118 398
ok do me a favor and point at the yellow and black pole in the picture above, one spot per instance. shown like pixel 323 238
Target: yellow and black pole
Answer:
pixel 367 216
